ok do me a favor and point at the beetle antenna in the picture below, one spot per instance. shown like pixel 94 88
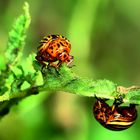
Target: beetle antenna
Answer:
pixel 118 100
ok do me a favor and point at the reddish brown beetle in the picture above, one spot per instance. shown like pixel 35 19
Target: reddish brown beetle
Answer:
pixel 114 117
pixel 54 48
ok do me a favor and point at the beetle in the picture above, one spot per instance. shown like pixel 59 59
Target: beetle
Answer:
pixel 114 117
pixel 54 48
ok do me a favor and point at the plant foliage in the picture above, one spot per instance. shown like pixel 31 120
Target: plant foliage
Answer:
pixel 20 79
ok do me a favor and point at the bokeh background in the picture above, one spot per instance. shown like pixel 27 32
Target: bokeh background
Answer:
pixel 105 38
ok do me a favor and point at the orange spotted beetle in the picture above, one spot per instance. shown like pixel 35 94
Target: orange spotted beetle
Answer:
pixel 54 48
pixel 114 117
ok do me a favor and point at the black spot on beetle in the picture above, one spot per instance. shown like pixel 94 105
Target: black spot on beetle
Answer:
pixel 46 39
pixel 54 36
pixel 49 36
pixel 58 45
pixel 61 43
pixel 51 47
pixel 65 50
pixel 65 55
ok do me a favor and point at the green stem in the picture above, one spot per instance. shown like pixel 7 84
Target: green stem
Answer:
pixel 65 80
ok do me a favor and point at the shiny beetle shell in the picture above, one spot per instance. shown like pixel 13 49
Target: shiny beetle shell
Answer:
pixel 54 48
pixel 115 118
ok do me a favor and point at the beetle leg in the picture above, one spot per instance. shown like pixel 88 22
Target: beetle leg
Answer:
pixel 59 63
pixel 39 59
pixel 113 107
pixel 69 62
pixel 115 104
pixel 55 66
pixel 118 100
pixel 51 64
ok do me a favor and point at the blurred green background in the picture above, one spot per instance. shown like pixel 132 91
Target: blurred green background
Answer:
pixel 105 37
